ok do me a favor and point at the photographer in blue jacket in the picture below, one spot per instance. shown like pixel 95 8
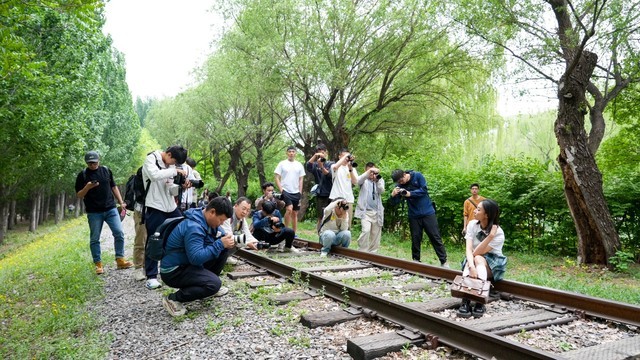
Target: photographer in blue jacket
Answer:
pixel 195 254
pixel 412 187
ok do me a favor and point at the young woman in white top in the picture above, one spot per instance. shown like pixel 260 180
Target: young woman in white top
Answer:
pixel 484 259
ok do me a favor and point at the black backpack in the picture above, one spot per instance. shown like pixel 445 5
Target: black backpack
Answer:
pixel 129 193
pixel 157 242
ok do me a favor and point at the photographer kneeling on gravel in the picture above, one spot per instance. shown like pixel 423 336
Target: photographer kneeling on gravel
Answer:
pixel 195 254
pixel 268 227
pixel 334 229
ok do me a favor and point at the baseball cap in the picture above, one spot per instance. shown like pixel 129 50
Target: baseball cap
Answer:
pixel 91 156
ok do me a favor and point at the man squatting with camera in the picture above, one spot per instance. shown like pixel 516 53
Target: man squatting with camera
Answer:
pixel 195 254
pixel 158 173
pixel 334 229
pixel 95 186
pixel 269 230
pixel 238 226
pixel 412 187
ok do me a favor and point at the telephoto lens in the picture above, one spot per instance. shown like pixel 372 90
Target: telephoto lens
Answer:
pixel 240 239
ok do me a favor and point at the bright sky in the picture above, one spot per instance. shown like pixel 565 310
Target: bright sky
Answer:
pixel 163 41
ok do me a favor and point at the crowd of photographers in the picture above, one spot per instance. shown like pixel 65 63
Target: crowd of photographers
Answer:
pixel 213 229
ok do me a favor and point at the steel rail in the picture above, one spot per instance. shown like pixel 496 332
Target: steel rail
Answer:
pixel 602 308
pixel 475 342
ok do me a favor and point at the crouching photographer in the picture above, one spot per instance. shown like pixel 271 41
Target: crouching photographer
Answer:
pixel 269 228
pixel 195 254
pixel 334 229
pixel 238 226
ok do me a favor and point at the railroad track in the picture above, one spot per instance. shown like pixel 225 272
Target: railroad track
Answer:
pixel 415 298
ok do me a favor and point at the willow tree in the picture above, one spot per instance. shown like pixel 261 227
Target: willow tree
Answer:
pixel 344 63
pixel 589 51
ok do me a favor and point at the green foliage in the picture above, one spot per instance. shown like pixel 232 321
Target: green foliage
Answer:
pixel 621 261
pixel 44 302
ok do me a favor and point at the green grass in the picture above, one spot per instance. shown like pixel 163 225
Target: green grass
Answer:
pixel 47 284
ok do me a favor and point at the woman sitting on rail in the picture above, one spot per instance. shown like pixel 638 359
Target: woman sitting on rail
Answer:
pixel 484 259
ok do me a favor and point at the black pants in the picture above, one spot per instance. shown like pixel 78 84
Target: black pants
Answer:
pixel 286 234
pixel 428 224
pixel 195 282
pixel 153 218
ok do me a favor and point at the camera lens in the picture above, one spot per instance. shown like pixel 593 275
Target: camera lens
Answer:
pixel 322 159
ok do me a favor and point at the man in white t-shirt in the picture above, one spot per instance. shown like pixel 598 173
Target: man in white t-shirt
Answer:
pixel 345 177
pixel 289 174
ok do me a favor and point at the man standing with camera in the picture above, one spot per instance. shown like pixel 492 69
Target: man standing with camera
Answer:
pixel 158 172
pixel 334 229
pixel 95 186
pixel 345 177
pixel 289 175
pixel 268 227
pixel 195 254
pixel 320 167
pixel 412 187
pixel 370 210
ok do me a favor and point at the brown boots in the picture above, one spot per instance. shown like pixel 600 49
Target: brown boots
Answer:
pixel 99 268
pixel 123 264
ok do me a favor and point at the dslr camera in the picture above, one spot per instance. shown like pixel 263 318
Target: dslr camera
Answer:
pixel 322 159
pixel 262 245
pixel 277 224
pixel 350 158
pixel 344 205
pixel 277 195
pixel 181 179
pixel 402 192
pixel 378 176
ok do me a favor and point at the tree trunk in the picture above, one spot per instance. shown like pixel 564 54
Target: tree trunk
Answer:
pixel 79 203
pixel 597 237
pixel 4 220
pixel 33 218
pixel 59 208
pixel 13 216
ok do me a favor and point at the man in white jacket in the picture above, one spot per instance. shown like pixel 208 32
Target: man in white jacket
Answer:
pixel 158 172
pixel 369 209
pixel 239 227
pixel 334 228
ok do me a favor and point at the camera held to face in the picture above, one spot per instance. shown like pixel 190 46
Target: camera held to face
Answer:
pixel 378 176
pixel 276 195
pixel 343 205
pixel 350 158
pixel 322 159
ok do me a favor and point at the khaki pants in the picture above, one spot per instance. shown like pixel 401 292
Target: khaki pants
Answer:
pixel 139 241
pixel 369 239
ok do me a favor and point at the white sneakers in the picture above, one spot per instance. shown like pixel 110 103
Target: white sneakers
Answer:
pixel 281 246
pixel 232 261
pixel 222 292
pixel 153 284
pixel 446 265
pixel 139 274
pixel 174 308
pixel 291 249
pixel 323 254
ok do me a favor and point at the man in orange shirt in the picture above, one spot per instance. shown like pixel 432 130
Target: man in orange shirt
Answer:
pixel 470 205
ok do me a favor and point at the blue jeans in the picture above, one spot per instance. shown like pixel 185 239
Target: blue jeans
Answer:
pixel 329 237
pixel 152 219
pixel 112 218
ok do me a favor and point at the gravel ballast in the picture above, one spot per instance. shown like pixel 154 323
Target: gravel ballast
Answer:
pixel 242 325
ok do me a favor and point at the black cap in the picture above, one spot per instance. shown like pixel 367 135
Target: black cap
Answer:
pixel 91 157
